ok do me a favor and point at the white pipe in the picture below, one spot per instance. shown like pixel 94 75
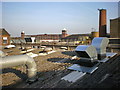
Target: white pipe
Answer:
pixel 12 61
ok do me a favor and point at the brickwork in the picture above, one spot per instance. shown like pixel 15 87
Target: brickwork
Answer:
pixel 64 33
pixel 102 23
pixel 115 28
pixel 22 35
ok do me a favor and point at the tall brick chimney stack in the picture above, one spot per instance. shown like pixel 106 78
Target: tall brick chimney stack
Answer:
pixel 22 35
pixel 102 23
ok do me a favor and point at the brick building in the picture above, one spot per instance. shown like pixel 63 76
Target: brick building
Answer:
pixel 114 40
pixel 77 38
pixel 4 37
pixel 46 37
pixel 115 28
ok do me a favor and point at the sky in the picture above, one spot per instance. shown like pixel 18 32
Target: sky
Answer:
pixel 52 17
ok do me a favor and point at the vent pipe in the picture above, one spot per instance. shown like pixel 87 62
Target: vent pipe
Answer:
pixel 86 52
pixel 100 43
pixel 12 61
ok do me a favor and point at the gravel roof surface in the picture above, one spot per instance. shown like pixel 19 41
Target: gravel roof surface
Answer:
pixel 44 64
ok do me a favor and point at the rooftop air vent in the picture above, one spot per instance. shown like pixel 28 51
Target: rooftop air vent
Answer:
pixel 100 43
pixel 86 52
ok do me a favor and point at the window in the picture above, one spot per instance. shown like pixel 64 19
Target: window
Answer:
pixel 5 40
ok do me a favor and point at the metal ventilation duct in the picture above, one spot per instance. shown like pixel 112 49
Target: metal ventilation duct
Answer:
pixel 87 52
pixel 11 61
pixel 2 54
pixel 100 43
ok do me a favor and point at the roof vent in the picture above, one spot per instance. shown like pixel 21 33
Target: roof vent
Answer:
pixel 100 43
pixel 97 50
pixel 86 52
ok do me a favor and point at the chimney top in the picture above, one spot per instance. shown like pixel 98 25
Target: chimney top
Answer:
pixel 22 32
pixel 101 9
pixel 64 29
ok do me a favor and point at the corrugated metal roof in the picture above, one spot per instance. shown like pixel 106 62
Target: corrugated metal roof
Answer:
pixel 73 76
pixel 83 68
pixel 17 41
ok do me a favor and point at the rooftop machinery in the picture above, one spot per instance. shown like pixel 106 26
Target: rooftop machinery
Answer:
pixel 91 55
pixel 95 51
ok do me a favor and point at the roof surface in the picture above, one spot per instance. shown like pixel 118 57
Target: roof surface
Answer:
pixel 73 36
pixel 3 32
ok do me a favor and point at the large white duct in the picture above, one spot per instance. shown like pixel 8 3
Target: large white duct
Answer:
pixel 97 50
pixel 100 43
pixel 87 52
pixel 12 61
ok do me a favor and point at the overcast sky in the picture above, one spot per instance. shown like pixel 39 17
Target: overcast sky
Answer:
pixel 52 17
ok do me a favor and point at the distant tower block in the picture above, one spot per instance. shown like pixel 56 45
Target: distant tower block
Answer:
pixel 22 35
pixel 102 23
pixel 64 33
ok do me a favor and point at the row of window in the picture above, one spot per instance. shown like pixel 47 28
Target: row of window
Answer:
pixel 48 38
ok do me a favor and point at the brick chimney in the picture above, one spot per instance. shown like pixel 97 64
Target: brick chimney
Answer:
pixel 102 23
pixel 22 35
pixel 64 33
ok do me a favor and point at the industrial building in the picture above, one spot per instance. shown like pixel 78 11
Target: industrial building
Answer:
pixel 115 28
pixel 115 34
pixel 72 39
pixel 46 37
pixel 77 38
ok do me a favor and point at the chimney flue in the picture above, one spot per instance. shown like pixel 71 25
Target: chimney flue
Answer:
pixel 102 23
pixel 22 35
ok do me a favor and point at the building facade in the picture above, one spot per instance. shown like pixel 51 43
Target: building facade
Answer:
pixel 114 40
pixel 46 37
pixel 4 37
pixel 77 39
pixel 115 28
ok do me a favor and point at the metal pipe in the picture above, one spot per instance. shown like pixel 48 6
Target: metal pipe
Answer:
pixel 2 54
pixel 100 43
pixel 12 61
